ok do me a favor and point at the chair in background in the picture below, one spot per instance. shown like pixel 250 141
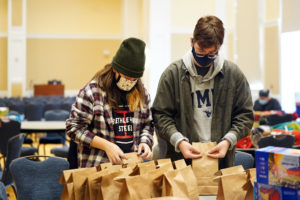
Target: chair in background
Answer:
pixel 60 151
pixel 34 111
pixel 54 137
pixel 3 195
pixel 17 105
pixel 14 149
pixel 43 176
pixel 244 159
pixel 51 105
pixel 278 141
pixel 8 130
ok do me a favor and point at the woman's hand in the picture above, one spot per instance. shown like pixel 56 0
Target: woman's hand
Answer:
pixel 220 150
pixel 147 154
pixel 114 153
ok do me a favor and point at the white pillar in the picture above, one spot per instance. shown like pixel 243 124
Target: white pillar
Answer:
pixel 159 40
pixel 131 18
pixel 16 55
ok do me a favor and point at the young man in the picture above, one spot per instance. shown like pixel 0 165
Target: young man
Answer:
pixel 202 98
pixel 265 102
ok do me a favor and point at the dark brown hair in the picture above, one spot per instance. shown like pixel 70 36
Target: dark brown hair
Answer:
pixel 105 79
pixel 209 32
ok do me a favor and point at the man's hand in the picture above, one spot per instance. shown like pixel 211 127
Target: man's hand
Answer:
pixel 147 155
pixel 188 151
pixel 220 150
pixel 114 153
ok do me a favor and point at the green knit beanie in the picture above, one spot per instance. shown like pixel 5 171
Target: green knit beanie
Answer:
pixel 130 58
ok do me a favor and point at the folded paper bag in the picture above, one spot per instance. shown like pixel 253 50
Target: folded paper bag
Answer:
pixel 231 184
pixel 205 169
pixel 145 185
pixel 110 189
pixel 251 178
pixel 67 178
pixel 94 182
pixel 180 183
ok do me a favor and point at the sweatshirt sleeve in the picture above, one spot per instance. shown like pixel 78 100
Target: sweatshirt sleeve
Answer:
pixel 163 110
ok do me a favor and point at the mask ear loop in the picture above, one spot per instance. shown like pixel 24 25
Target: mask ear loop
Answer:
pixel 119 77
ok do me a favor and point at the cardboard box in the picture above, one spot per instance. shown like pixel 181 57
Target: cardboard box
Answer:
pixel 264 191
pixel 278 166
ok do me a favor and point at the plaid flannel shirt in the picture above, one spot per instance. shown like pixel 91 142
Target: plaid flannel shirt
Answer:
pixel 91 115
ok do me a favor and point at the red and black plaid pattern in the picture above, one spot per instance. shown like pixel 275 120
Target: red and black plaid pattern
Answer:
pixel 91 115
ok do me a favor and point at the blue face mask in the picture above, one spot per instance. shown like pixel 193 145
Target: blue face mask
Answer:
pixel 262 102
pixel 203 60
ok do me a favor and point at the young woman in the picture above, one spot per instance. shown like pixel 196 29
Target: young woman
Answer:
pixel 111 115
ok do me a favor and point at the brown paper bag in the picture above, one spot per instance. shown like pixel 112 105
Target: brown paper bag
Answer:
pixel 191 182
pixel 146 166
pixel 110 188
pixel 94 182
pixel 67 179
pixel 174 184
pixel 179 164
pixel 231 170
pixel 156 179
pixel 168 198
pixel 146 185
pixel 251 178
pixel 68 192
pixel 103 166
pixel 134 187
pixel 80 181
pixel 205 169
pixel 163 161
pixel 132 157
pixel 231 184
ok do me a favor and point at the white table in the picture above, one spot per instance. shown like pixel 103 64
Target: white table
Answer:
pixel 42 126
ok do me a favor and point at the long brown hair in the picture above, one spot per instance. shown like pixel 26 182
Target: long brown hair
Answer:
pixel 105 79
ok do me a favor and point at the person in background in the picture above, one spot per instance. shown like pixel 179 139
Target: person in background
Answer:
pixel 202 98
pixel 111 115
pixel 265 102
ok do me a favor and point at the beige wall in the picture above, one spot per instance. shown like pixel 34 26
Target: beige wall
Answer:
pixel 184 14
pixel 92 17
pixel 184 23
pixel 180 44
pixel 272 60
pixel 247 44
pixel 3 63
pixel 17 12
pixel 3 45
pixel 272 10
pixel 3 16
pixel 290 15
pixel 72 61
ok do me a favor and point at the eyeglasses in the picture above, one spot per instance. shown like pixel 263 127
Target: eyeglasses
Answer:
pixel 210 56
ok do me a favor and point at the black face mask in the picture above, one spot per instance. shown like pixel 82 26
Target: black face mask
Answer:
pixel 203 61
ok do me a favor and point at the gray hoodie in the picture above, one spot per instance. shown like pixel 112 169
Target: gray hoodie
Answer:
pixel 202 94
